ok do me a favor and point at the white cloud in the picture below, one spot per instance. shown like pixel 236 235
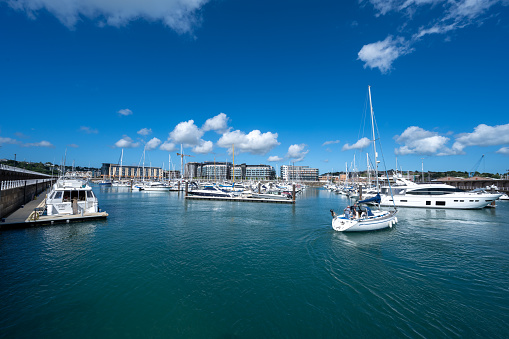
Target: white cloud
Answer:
pixel 145 131
pixel 219 123
pixel 330 142
pixel 297 152
pixel 43 143
pixel 360 144
pixel 73 145
pixel 416 140
pixel 180 15
pixel 504 150
pixel 125 112
pixel 168 146
pixel 8 141
pixel 483 135
pixel 381 54
pixel 204 147
pixel 255 142
pixel 152 144
pixel 274 158
pixel 88 130
pixel 186 133
pixel 447 16
pixel 126 142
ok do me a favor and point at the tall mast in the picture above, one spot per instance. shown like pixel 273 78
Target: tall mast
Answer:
pixel 181 162
pixel 374 140
pixel 233 150
pixel 121 157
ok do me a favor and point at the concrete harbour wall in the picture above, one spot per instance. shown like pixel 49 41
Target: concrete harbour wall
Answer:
pixel 13 198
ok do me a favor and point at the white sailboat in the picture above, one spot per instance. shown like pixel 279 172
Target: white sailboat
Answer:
pixel 362 218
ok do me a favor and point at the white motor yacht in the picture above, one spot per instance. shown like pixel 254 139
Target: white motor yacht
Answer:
pixel 71 196
pixel 433 195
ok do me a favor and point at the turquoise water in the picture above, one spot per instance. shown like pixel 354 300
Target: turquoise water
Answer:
pixel 163 267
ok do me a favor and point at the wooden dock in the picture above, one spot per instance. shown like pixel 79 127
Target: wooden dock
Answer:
pixel 241 199
pixel 30 215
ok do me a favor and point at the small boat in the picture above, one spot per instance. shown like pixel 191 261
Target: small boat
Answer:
pixel 210 191
pixel 360 217
pixel 154 186
pixel 504 197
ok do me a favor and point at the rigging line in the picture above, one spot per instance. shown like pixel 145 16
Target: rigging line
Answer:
pixel 383 159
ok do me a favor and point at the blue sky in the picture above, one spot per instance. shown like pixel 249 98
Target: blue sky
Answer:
pixel 284 81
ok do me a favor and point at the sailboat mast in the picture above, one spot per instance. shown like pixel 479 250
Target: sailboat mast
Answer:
pixel 233 150
pixel 374 140
pixel 121 157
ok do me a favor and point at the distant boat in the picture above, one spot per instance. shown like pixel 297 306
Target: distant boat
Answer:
pixel 504 197
pixel 154 186
pixel 362 218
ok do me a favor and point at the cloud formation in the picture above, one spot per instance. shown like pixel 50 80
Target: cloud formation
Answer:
pixel 88 130
pixel 219 123
pixel 330 142
pixel 297 152
pixel 168 146
pixel 381 54
pixel 255 142
pixel 504 151
pixel 152 144
pixel 204 147
pixel 452 15
pixel 360 144
pixel 416 140
pixel 8 141
pixel 180 15
pixel 43 143
pixel 126 142
pixel 73 145
pixel 186 133
pixel 145 131
pixel 274 158
pixel 125 112
pixel 483 135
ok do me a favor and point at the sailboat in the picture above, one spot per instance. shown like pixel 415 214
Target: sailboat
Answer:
pixel 360 217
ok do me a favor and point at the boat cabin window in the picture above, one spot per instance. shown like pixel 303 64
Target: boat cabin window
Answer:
pixel 57 195
pixel 434 191
pixel 440 203
pixel 90 195
pixel 67 196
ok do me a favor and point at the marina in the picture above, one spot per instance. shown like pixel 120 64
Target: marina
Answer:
pixel 162 265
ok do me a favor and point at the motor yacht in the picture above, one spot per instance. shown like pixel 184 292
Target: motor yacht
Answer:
pixel 434 195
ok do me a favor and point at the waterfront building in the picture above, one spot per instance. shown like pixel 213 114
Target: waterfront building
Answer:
pixel 255 172
pixel 115 171
pixel 217 171
pixel 299 173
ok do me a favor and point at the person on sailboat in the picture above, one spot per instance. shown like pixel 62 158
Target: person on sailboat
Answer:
pixel 347 212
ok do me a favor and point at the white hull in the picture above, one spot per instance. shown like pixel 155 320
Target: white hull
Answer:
pixel 155 189
pixel 450 201
pixel 380 220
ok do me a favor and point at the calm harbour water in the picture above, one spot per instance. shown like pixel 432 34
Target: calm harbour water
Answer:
pixel 164 267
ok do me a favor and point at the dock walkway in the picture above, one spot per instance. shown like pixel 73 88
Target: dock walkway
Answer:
pixel 26 216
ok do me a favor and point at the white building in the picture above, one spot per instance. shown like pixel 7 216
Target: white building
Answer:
pixel 299 173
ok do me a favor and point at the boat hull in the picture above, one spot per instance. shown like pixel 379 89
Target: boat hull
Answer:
pixel 448 201
pixel 380 220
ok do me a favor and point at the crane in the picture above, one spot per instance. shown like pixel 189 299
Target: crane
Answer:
pixel 476 166
pixel 182 155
